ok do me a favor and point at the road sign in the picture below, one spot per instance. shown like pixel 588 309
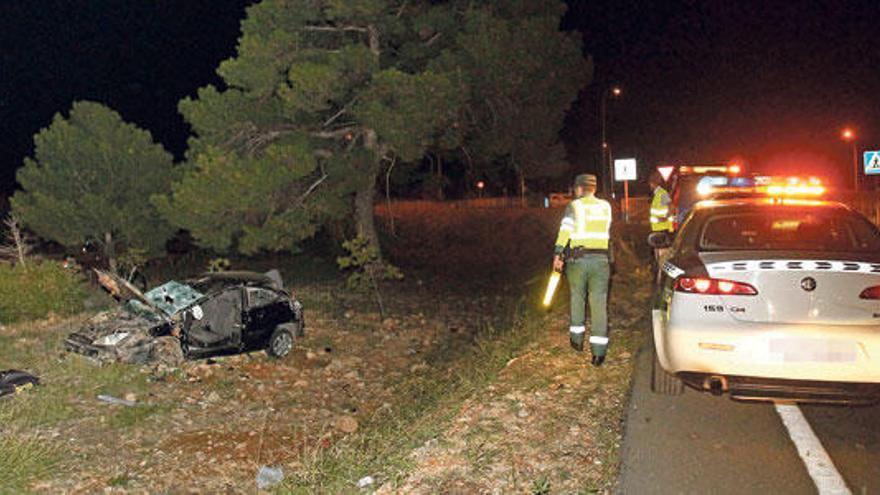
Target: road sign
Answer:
pixel 872 163
pixel 665 171
pixel 625 169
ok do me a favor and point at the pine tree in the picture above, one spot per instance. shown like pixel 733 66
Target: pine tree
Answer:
pixel 323 93
pixel 523 74
pixel 91 179
pixel 315 101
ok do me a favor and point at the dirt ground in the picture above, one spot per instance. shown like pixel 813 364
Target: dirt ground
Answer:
pixel 548 422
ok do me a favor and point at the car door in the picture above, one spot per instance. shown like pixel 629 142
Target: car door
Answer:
pixel 215 324
pixel 265 310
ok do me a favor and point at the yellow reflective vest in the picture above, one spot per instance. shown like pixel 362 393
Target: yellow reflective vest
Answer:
pixel 586 224
pixel 661 218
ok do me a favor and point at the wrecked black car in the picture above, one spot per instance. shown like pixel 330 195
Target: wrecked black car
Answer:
pixel 214 314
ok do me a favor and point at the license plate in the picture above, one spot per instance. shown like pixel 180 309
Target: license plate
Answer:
pixel 812 350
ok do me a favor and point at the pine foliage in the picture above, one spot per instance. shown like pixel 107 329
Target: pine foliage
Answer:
pixel 93 174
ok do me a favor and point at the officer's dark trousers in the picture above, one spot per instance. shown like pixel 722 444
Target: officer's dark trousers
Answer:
pixel 589 274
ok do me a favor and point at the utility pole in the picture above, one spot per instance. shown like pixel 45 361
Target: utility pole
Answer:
pixel 605 165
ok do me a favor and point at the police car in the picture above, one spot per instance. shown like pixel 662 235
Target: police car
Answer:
pixel 770 297
pixel 690 183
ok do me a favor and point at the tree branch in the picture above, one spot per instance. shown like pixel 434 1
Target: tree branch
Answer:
pixel 432 39
pixel 358 29
pixel 373 40
pixel 314 185
pixel 323 153
pixel 336 133
pixel 338 114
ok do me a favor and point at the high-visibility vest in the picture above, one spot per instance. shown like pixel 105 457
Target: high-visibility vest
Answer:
pixel 660 215
pixel 586 224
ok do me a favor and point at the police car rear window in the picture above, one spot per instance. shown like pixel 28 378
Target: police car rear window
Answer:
pixel 789 230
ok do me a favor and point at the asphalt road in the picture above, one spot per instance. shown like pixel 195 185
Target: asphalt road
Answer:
pixel 698 443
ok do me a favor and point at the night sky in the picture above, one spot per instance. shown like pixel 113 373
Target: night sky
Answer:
pixel 771 81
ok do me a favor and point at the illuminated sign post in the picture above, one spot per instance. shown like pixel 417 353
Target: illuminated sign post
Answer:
pixel 872 163
pixel 625 171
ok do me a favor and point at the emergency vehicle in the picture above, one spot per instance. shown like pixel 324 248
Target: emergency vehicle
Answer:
pixel 773 296
pixel 686 181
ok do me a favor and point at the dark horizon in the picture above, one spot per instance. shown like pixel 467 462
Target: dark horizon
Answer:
pixel 768 83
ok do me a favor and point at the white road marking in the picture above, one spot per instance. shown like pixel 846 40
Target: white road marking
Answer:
pixel 826 477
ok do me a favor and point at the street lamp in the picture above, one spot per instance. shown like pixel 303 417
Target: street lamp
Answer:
pixel 615 92
pixel 849 135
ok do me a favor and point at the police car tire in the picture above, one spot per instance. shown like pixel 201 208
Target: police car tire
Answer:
pixel 664 383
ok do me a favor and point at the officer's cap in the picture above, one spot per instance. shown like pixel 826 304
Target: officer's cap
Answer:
pixel 586 180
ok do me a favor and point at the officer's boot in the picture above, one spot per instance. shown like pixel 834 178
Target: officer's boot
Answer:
pixel 576 337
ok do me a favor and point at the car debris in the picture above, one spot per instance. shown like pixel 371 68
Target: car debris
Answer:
pixel 211 315
pixel 15 381
pixel 116 400
pixel 267 477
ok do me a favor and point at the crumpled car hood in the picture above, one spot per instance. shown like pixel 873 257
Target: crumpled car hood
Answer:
pixel 121 336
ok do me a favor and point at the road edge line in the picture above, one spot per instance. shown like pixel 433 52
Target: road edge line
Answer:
pixel 819 465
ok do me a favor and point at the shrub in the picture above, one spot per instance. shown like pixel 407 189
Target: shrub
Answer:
pixel 40 288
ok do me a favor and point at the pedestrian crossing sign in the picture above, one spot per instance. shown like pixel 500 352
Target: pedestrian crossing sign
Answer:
pixel 872 163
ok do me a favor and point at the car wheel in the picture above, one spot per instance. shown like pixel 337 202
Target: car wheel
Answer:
pixel 663 382
pixel 280 343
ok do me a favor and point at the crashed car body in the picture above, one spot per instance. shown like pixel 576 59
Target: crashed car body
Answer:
pixel 214 314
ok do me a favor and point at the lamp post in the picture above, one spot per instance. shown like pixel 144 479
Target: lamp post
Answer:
pixel 605 166
pixel 849 135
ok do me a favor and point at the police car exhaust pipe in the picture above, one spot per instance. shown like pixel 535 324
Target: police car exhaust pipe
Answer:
pixel 715 384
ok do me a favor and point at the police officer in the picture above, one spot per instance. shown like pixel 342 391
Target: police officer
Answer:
pixel 661 215
pixel 585 232
pixel 661 219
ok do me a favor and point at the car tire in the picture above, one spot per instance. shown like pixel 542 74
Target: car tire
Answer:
pixel 280 343
pixel 663 382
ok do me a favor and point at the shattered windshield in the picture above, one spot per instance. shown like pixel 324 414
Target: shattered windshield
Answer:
pixel 170 297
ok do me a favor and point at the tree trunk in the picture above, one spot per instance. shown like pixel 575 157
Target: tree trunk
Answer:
pixel 109 251
pixel 363 198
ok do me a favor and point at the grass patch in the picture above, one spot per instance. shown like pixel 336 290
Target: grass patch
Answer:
pixel 42 287
pixel 128 417
pixel 425 406
pixel 67 380
pixel 23 460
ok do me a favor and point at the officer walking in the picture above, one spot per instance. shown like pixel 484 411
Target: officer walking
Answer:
pixel 585 232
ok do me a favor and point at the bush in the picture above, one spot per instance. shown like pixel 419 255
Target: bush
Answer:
pixel 40 288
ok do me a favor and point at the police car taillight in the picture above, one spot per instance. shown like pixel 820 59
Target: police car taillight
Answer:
pixel 713 286
pixel 871 293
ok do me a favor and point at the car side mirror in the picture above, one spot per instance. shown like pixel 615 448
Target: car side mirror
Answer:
pixel 659 240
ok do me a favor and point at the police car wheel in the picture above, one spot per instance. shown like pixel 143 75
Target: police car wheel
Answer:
pixel 280 343
pixel 662 382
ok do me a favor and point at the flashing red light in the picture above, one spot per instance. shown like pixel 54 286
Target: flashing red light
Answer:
pixel 871 293
pixel 665 171
pixel 847 134
pixel 713 286
pixel 735 169
pixel 793 187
